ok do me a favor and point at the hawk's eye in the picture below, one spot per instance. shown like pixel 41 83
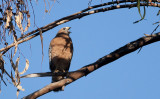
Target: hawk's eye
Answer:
pixel 64 28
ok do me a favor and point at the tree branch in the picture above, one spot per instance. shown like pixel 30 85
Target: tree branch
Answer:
pixel 43 74
pixel 79 15
pixel 73 76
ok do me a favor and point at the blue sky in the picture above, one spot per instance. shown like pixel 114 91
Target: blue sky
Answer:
pixel 134 76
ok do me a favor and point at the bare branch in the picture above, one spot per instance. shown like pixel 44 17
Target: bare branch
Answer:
pixel 37 75
pixel 78 15
pixel 44 74
pixel 73 76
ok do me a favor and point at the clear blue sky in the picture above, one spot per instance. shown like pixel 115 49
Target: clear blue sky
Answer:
pixel 134 76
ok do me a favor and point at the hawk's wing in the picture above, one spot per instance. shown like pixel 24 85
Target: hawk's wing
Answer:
pixel 60 53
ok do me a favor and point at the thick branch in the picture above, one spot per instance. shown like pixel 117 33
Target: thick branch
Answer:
pixel 72 76
pixel 78 15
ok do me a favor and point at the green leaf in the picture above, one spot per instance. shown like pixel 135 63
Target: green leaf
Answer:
pixel 138 6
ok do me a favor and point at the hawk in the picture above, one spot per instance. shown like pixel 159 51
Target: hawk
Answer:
pixel 60 54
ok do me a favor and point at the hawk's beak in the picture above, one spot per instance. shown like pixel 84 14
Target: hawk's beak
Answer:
pixel 68 28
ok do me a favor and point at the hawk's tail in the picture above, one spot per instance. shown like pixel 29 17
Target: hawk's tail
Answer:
pixel 55 79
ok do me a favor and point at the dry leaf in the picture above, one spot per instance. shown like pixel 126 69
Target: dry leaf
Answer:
pixel 15 83
pixel 19 19
pixel 11 28
pixel 17 62
pixel 26 67
pixel 9 17
pixel 28 25
pixel 17 93
pixel 20 88
pixel 15 50
pixel 13 66
pixel 2 64
pixel 16 44
pixel 16 71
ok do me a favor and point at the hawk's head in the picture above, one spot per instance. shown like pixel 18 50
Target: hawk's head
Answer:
pixel 64 30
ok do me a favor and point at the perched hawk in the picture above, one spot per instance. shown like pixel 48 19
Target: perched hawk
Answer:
pixel 60 54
